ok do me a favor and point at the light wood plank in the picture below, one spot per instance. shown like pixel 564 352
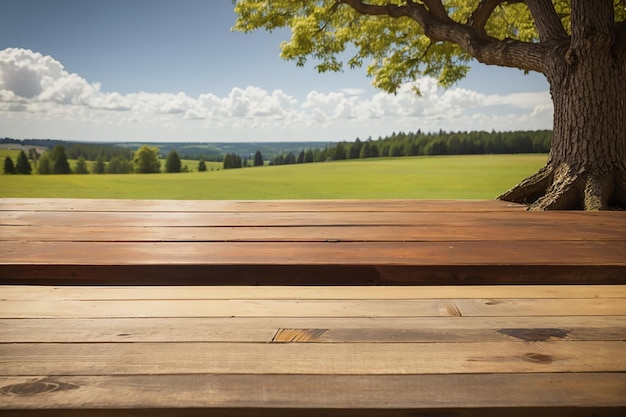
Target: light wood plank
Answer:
pixel 391 205
pixel 337 330
pixel 311 358
pixel 98 293
pixel 315 308
pixel 498 393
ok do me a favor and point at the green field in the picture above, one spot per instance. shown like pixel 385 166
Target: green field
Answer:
pixel 442 177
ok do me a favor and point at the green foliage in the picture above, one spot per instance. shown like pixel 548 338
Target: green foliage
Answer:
pixel 99 166
pixel 438 143
pixel 58 163
pixel 81 166
pixel 232 160
pixel 90 151
pixel 258 159
pixel 44 165
pixel 202 166
pixel 9 167
pixel 119 165
pixel 394 47
pixel 23 165
pixel 146 160
pixel 172 163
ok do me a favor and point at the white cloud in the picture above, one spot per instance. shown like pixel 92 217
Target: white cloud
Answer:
pixel 39 98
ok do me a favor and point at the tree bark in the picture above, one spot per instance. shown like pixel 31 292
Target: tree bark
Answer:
pixel 586 168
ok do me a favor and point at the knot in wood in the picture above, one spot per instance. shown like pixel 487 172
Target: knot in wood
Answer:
pixel 36 387
pixel 570 57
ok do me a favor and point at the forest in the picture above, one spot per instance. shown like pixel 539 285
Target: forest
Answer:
pixel 421 143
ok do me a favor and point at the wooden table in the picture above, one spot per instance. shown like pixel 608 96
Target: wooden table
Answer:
pixel 365 316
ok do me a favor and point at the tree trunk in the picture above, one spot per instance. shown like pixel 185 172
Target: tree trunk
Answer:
pixel 586 168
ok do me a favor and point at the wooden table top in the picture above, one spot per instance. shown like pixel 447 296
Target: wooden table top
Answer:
pixel 378 308
pixel 241 351
pixel 331 242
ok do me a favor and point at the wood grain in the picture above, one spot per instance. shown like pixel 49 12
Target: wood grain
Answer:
pixel 315 308
pixel 336 292
pixel 310 358
pixel 339 329
pixel 358 392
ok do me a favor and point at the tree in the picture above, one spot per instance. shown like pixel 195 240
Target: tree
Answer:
pixel 58 161
pixel 81 166
pixel 44 166
pixel 579 45
pixel 172 163
pixel 33 154
pixel 9 168
pixel 119 165
pixel 202 166
pixel 258 159
pixel 231 161
pixel 146 160
pixel 99 166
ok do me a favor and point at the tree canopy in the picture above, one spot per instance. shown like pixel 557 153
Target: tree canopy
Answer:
pixel 9 167
pixel 173 163
pixel 146 160
pixel 399 40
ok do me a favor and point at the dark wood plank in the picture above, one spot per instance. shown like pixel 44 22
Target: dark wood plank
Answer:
pixel 600 394
pixel 345 263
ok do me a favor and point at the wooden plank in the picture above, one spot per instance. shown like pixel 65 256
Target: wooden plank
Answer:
pixel 302 274
pixel 391 205
pixel 517 231
pixel 315 308
pixel 311 254
pixel 608 220
pixel 518 394
pixel 310 358
pixel 337 330
pixel 98 293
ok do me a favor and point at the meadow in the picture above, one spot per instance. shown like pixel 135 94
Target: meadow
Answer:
pixel 435 177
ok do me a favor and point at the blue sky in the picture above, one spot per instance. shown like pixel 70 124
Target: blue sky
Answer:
pixel 157 70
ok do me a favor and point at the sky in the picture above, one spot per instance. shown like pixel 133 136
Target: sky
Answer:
pixel 168 71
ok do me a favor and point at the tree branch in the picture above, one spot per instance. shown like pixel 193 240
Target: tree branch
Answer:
pixel 488 50
pixel 436 9
pixel 480 16
pixel 547 20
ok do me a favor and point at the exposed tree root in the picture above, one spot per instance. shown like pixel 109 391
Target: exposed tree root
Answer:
pixel 562 188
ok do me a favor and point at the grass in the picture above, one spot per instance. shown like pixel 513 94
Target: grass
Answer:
pixel 443 177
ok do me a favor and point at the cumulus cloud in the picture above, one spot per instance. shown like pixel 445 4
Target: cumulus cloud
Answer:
pixel 34 84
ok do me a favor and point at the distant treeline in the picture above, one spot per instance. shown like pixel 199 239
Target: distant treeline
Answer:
pixel 420 143
pixel 93 151
pixel 76 150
